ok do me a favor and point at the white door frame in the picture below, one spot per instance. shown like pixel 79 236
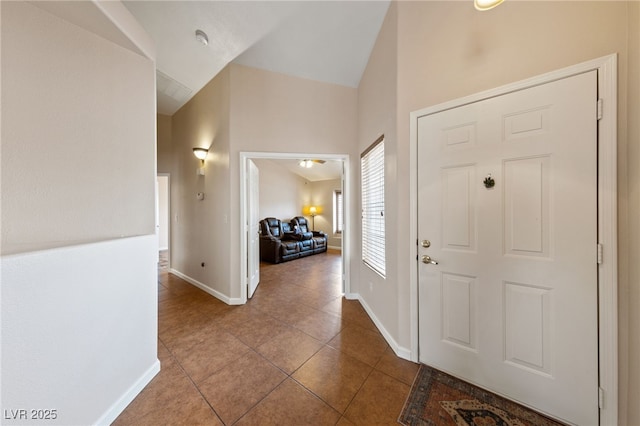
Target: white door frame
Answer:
pixel 244 156
pixel 607 215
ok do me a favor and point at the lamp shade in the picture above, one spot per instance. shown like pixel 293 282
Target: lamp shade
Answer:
pixel 311 210
pixel 200 153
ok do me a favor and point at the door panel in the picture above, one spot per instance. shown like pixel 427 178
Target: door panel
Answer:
pixel 253 227
pixel 458 208
pixel 511 304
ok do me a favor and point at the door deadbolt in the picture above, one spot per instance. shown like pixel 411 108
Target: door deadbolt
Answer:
pixel 426 243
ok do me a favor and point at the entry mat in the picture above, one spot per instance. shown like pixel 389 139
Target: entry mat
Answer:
pixel 437 398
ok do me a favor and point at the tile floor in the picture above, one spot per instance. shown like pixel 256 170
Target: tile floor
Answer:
pixel 297 354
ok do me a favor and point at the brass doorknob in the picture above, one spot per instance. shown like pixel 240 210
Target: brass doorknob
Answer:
pixel 428 260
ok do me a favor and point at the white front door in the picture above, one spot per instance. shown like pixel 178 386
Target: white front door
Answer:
pixel 507 205
pixel 253 227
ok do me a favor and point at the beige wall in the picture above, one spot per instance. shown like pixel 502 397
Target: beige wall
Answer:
pixel 200 230
pixel 243 109
pixel 282 193
pixel 322 195
pixel 630 271
pixel 446 50
pixel 164 144
pixel 71 169
pixel 377 115
pixel 272 112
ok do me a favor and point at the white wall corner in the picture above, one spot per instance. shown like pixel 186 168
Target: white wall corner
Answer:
pixel 119 406
pixel 215 293
pixel 124 20
pixel 400 351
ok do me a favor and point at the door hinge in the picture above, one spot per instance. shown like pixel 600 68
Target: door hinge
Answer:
pixel 599 259
pixel 599 109
pixel 600 398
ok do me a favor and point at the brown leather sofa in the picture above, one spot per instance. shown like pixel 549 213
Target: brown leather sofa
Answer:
pixel 281 241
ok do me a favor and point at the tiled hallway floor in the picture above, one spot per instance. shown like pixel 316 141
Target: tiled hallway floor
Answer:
pixel 297 353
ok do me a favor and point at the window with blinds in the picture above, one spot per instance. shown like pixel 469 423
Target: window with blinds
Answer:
pixel 373 241
pixel 337 212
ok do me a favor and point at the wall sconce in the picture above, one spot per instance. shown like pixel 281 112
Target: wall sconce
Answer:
pixel 201 154
pixel 483 5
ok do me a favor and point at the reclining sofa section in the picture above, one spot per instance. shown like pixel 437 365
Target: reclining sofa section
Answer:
pixel 281 241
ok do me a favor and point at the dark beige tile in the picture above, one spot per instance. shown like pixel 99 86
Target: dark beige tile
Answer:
pixel 214 351
pixel 177 317
pixel 355 313
pixel 379 401
pixel 171 397
pixel 321 325
pixel 350 310
pixel 257 329
pixel 163 293
pixel 360 343
pixel 239 314
pixel 290 404
pixel 188 332
pixel 164 356
pixel 186 415
pixel 290 349
pixel 235 389
pixel 333 376
pixel 396 367
pixel 266 301
pixel 315 299
pixel 345 422
pixel 291 312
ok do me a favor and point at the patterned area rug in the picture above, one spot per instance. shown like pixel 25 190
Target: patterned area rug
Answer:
pixel 437 398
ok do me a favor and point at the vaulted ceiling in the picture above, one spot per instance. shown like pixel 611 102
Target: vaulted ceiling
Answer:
pixel 327 41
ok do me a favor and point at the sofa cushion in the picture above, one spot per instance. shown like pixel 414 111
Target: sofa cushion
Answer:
pixel 273 227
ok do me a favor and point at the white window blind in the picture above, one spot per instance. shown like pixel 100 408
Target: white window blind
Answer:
pixel 337 212
pixel 373 240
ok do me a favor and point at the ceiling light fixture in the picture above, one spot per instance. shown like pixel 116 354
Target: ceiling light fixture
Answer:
pixel 306 164
pixel 201 36
pixel 483 5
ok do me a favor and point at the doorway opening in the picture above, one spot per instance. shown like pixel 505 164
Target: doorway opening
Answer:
pixel 331 173
pixel 162 219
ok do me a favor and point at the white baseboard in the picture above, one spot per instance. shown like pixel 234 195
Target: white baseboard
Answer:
pixel 119 406
pixel 215 293
pixel 335 248
pixel 402 352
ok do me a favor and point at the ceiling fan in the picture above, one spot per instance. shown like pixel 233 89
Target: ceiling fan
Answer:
pixel 308 163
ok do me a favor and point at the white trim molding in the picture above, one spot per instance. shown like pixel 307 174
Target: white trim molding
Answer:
pixel 119 406
pixel 400 351
pixel 607 215
pixel 209 290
